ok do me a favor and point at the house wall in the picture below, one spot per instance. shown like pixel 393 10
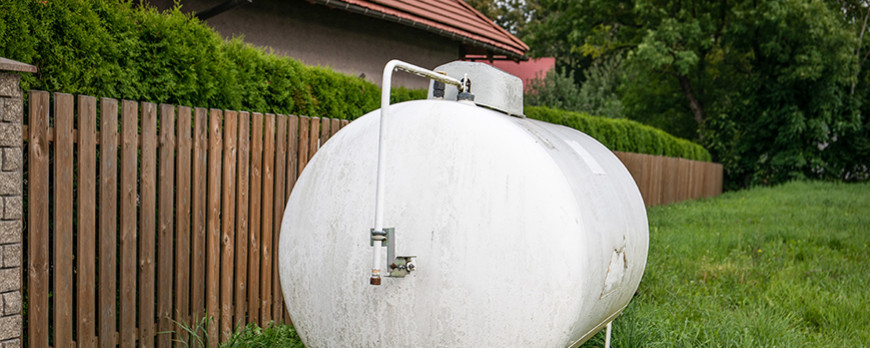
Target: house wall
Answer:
pixel 317 35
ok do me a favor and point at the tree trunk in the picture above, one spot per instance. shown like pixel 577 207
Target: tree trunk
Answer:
pixel 858 52
pixel 694 103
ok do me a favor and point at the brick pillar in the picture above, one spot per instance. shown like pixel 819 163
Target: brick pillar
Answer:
pixel 11 189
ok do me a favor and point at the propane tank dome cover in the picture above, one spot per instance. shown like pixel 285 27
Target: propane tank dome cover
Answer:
pixel 491 87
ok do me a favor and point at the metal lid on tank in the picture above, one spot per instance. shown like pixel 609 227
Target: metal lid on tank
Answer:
pixel 492 87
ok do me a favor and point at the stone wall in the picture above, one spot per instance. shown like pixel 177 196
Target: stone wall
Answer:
pixel 11 188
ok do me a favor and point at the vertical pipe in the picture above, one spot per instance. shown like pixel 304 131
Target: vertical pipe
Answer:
pixel 377 253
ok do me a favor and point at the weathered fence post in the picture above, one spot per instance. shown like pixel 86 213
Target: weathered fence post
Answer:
pixel 11 189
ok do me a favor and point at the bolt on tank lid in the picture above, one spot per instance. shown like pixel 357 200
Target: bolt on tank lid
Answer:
pixel 493 88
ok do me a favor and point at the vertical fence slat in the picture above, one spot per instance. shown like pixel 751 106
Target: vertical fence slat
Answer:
pixel 665 180
pixel 682 179
pixel 182 225
pixel 292 155
pixel 165 225
pixel 147 236
pixel 709 181
pixel 344 123
pixel 86 260
pixel 648 196
pixel 37 226
pixel 647 189
pixel 228 222
pixel 267 212
pixel 324 131
pixel 108 219
pixel 213 233
pixel 658 172
pixel 304 133
pixel 129 126
pixel 278 205
pixel 242 202
pixel 313 138
pixel 334 127
pixel 291 175
pixel 200 157
pixel 63 224
pixel 695 173
pixel 255 215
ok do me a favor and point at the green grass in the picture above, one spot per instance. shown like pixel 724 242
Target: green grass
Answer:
pixel 250 336
pixel 273 336
pixel 786 266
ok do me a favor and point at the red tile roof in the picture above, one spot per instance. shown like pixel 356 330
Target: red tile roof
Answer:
pixel 450 18
pixel 528 70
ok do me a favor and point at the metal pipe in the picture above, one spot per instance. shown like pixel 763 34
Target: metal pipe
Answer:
pixel 392 65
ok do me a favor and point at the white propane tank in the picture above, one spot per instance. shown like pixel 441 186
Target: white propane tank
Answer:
pixel 524 233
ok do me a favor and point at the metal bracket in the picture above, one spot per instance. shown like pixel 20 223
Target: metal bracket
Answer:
pixel 400 266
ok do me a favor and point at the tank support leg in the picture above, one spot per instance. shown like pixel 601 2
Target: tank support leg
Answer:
pixel 607 336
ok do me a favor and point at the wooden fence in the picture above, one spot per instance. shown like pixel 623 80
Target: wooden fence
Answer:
pixel 171 214
pixel 664 180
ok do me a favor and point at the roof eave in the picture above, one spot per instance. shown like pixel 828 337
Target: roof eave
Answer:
pixel 511 54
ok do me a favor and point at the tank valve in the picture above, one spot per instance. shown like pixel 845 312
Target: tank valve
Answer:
pixel 465 90
pixel 400 266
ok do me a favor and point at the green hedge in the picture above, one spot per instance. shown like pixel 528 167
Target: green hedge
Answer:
pixel 401 94
pixel 111 48
pixel 622 134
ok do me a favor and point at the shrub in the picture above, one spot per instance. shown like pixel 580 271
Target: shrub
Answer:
pixel 400 94
pixel 597 95
pixel 622 134
pixel 111 48
pixel 555 90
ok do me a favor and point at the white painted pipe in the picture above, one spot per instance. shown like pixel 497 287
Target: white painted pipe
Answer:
pixel 607 336
pixel 392 65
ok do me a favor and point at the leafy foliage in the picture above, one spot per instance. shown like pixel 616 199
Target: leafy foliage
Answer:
pixel 598 93
pixel 773 88
pixel 272 336
pixel 512 15
pixel 113 49
pixel 554 90
pixel 596 96
pixel 622 135
pixel 400 94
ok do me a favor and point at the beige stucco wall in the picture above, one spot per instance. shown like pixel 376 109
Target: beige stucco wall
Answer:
pixel 317 35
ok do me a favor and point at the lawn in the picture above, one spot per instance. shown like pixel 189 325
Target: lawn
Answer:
pixel 785 266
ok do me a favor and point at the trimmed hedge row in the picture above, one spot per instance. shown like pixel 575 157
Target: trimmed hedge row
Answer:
pixel 622 134
pixel 112 48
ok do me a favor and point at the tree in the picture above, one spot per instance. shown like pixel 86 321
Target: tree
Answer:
pixel 512 15
pixel 765 85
